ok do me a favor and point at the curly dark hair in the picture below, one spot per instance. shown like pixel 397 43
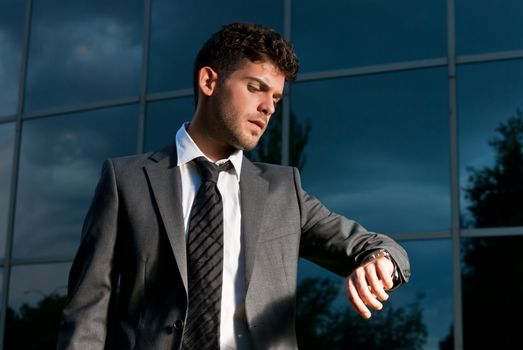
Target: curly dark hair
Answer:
pixel 234 42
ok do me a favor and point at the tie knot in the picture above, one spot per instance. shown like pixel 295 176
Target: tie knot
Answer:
pixel 210 171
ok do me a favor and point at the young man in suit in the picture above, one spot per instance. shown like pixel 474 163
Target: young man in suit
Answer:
pixel 194 246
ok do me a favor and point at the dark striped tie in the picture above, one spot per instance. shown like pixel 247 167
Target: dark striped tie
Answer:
pixel 205 260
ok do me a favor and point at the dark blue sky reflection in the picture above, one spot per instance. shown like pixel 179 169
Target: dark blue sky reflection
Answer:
pixel 84 51
pixel 164 118
pixel 344 34
pixel 60 164
pixel 487 26
pixel 488 94
pixel 29 284
pixel 11 33
pixel 176 35
pixel 378 149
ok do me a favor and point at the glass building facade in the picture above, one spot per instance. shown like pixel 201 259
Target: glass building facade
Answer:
pixel 415 106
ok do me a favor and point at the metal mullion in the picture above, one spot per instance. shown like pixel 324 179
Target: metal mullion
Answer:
pixel 14 173
pixel 81 108
pixel 372 70
pixel 490 57
pixel 492 232
pixel 42 260
pixel 144 77
pixel 421 236
pixel 167 95
pixel 8 119
pixel 286 108
pixel 454 178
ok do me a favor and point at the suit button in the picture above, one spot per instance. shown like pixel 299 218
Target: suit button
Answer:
pixel 178 324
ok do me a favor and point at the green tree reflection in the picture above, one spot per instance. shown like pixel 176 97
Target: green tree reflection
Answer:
pixel 269 146
pixel 495 193
pixel 323 325
pixel 493 266
pixel 34 327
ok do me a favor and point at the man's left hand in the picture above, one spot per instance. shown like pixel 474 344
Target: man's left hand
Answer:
pixel 367 285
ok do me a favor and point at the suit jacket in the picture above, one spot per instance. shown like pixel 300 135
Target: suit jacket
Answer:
pixel 128 282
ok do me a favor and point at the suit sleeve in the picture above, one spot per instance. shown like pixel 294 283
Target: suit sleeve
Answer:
pixel 340 244
pixel 93 277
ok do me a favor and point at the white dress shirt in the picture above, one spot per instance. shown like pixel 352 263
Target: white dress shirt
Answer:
pixel 233 324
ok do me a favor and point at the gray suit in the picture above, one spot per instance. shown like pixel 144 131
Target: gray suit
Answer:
pixel 134 238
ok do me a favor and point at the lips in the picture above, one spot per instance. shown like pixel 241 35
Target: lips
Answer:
pixel 258 123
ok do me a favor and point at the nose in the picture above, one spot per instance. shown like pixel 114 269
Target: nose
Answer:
pixel 266 107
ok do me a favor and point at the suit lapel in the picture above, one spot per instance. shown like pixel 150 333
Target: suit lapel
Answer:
pixel 164 178
pixel 253 194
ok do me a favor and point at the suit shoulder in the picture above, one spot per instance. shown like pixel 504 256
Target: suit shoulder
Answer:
pixel 273 168
pixel 138 161
pixel 131 161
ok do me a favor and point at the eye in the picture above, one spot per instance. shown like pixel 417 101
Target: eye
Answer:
pixel 253 88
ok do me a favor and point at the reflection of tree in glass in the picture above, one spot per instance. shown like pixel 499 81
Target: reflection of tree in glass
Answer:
pixel 321 325
pixel 34 327
pixel 493 267
pixel 496 193
pixel 269 147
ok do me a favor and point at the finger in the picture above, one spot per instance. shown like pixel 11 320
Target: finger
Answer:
pixel 355 299
pixel 375 284
pixel 385 269
pixel 363 288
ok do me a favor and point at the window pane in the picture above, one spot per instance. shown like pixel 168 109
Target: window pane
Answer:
pixel 378 149
pixel 176 39
pixel 11 42
pixel 59 167
pixel 492 289
pixel 36 299
pixel 419 313
pixel 84 51
pixel 491 97
pixel 479 31
pixel 362 32
pixel 7 137
pixel 164 118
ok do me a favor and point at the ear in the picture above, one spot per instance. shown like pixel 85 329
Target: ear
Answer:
pixel 207 79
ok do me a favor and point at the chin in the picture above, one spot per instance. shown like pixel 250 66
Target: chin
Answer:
pixel 247 143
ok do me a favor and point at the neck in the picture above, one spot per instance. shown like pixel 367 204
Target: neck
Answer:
pixel 204 137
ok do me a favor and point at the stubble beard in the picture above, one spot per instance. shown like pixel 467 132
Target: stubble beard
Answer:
pixel 234 135
pixel 229 126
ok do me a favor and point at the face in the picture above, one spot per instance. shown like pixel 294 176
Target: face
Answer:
pixel 242 103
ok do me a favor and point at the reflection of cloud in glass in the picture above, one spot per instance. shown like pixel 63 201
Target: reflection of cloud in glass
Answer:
pixel 478 31
pixel 488 94
pixel 11 28
pixel 361 206
pixel 7 136
pixel 29 284
pixel 84 52
pixel 176 39
pixel 384 141
pixel 59 167
pixel 363 32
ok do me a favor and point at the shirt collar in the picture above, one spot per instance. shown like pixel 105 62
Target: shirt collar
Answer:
pixel 187 150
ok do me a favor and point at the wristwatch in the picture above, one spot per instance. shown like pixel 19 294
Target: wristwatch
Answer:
pixel 382 253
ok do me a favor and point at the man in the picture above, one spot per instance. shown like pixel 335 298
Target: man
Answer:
pixel 194 246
